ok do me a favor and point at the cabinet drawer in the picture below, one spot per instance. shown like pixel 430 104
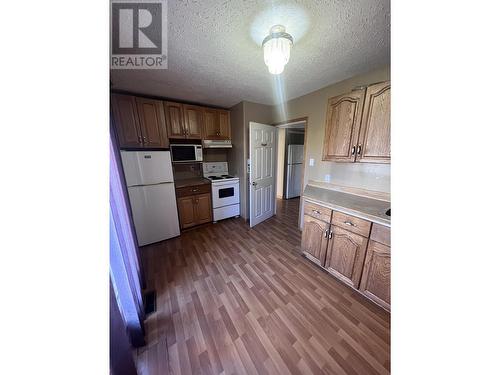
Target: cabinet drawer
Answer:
pixel 317 211
pixel 192 190
pixel 351 223
pixel 381 234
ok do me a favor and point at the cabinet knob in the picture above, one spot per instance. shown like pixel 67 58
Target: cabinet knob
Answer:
pixel 359 149
pixel 330 235
pixel 353 151
pixel 316 212
pixel 326 233
pixel 349 223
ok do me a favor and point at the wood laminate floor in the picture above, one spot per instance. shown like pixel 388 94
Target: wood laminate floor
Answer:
pixel 235 300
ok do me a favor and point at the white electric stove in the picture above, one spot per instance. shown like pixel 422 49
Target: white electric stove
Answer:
pixel 225 190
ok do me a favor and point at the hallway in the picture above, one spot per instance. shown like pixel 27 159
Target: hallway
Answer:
pixel 238 300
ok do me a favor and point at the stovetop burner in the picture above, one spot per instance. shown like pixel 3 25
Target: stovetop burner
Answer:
pixel 223 177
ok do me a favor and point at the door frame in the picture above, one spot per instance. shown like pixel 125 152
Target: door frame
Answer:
pixel 275 161
pixel 291 122
pixel 290 126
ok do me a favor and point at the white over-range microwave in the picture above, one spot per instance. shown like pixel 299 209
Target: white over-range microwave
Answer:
pixel 182 153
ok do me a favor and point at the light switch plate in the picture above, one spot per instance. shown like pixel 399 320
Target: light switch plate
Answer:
pixel 311 162
pixel 327 178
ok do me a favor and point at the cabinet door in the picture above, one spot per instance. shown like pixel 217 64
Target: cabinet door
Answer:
pixel 375 135
pixel 175 120
pixel 126 120
pixel 345 255
pixel 376 280
pixel 342 126
pixel 187 214
pixel 314 239
pixel 193 121
pixel 211 123
pixel 152 120
pixel 203 208
pixel 224 125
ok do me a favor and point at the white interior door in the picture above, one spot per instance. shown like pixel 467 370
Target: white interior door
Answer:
pixel 262 172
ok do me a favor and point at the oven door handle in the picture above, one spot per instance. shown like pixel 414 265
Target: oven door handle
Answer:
pixel 225 183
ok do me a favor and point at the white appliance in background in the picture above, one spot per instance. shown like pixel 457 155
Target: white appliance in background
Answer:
pixel 294 170
pixel 150 184
pixel 225 190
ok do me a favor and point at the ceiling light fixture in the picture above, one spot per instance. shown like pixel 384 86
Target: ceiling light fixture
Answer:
pixel 277 46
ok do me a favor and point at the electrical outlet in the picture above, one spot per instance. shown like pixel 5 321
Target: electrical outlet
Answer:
pixel 327 178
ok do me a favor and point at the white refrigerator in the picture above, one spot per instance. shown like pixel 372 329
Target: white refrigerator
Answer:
pixel 150 184
pixel 294 162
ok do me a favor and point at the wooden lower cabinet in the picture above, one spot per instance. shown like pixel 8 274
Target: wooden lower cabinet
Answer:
pixel 315 239
pixel 194 210
pixel 203 207
pixel 354 250
pixel 345 255
pixel 376 279
pixel 187 214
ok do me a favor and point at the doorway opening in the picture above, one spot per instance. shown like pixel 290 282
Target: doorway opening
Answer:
pixel 290 166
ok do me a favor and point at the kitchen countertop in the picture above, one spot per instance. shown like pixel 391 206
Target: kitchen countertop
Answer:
pixel 351 204
pixel 185 182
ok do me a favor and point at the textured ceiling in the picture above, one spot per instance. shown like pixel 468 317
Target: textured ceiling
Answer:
pixel 214 53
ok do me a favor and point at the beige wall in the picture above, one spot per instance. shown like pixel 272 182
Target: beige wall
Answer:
pixel 313 105
pixel 236 158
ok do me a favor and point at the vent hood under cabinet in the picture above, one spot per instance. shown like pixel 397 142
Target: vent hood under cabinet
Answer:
pixel 217 143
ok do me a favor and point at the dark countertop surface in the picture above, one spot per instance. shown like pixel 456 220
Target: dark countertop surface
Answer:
pixel 191 182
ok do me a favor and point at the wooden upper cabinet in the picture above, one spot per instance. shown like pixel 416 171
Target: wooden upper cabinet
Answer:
pixel 193 121
pixel 376 280
pixel 345 255
pixel 126 120
pixel 175 120
pixel 314 239
pixel 152 120
pixel 216 124
pixel 211 123
pixel 375 134
pixel 224 125
pixel 342 126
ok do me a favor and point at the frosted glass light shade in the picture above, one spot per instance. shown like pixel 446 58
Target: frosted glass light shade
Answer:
pixel 277 46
